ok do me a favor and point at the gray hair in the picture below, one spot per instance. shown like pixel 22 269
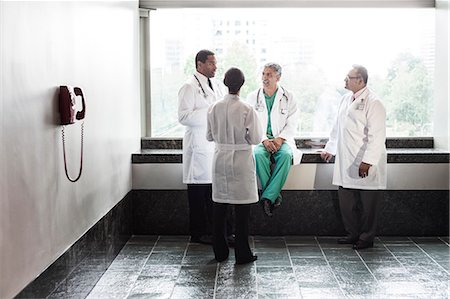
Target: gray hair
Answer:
pixel 274 66
pixel 362 71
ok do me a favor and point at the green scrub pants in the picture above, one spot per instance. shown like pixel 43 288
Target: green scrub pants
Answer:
pixel 271 183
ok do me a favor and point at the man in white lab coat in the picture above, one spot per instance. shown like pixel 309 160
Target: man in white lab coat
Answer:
pixel 233 126
pixel 277 112
pixel 194 99
pixel 358 142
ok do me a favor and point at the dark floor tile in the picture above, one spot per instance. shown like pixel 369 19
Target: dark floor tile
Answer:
pixel 165 258
pixel 270 259
pixel 321 292
pixel 119 280
pixel 161 270
pixel 411 273
pixel 315 276
pixel 341 254
pixel 135 250
pixel 276 280
pixel 197 275
pixel 231 276
pixel 401 289
pixel 197 247
pixel 96 261
pixel 278 296
pixel 301 240
pixel 305 251
pixel 105 293
pixel 262 242
pixel 151 285
pixel 143 239
pixel 192 292
pixel 444 263
pixel 445 239
pixel 328 242
pixel 389 272
pixel 406 250
pixel 395 240
pixel 237 292
pixel 200 259
pixel 309 261
pixel 378 257
pixel 149 296
pixel 70 294
pixel 46 283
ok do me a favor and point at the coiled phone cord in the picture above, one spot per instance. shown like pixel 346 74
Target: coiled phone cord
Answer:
pixel 64 152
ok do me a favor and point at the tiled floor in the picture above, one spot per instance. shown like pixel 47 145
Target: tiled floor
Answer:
pixel 287 267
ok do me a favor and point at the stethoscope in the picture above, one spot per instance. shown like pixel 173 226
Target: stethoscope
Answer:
pixel 201 87
pixel 260 107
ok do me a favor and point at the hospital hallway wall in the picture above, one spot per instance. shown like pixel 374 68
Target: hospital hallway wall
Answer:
pixel 45 44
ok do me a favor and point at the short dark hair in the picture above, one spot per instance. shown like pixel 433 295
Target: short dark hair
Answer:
pixel 234 79
pixel 362 71
pixel 202 56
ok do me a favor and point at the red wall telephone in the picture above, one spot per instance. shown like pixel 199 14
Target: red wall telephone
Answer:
pixel 67 101
pixel 67 96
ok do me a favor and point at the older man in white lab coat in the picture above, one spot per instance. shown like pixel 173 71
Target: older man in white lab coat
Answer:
pixel 358 141
pixel 234 127
pixel 277 111
pixel 194 99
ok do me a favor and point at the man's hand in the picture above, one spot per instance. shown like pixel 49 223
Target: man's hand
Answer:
pixel 270 146
pixel 364 169
pixel 326 156
pixel 278 142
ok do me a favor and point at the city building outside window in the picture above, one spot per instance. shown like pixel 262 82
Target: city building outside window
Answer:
pixel 316 48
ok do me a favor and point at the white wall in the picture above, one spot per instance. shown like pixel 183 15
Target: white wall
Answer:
pixel 433 176
pixel 442 91
pixel 44 44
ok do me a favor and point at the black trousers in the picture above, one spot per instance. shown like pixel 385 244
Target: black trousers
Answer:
pixel 200 209
pixel 220 246
pixel 359 211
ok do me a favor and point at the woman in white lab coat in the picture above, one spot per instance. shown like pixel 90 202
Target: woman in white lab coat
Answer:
pixel 233 126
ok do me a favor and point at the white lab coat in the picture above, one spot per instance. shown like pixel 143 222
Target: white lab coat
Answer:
pixel 359 134
pixel 284 117
pixel 192 110
pixel 234 126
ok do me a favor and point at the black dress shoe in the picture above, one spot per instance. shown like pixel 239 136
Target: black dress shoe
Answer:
pixel 362 245
pixel 267 207
pixel 252 259
pixel 277 202
pixel 205 239
pixel 346 240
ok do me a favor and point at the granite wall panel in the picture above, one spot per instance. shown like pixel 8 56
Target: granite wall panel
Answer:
pixel 403 213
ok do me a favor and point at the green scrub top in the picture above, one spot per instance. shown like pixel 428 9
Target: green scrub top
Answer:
pixel 269 104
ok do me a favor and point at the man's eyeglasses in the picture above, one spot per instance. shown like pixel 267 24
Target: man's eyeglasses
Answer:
pixel 349 77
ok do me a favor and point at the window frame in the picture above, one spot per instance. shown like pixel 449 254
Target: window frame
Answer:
pixel 146 6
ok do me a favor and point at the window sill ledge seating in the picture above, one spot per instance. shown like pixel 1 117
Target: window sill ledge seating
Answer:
pixel 400 150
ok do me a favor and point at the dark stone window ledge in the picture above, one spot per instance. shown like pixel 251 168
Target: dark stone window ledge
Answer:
pixel 311 156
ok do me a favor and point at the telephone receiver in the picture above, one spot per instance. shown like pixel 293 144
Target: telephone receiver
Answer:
pixel 67 101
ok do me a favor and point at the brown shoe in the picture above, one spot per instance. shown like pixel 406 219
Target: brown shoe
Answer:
pixel 362 245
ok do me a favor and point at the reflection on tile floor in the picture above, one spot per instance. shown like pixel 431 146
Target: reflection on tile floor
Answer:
pixel 287 267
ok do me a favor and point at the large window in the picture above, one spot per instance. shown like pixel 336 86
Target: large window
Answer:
pixel 316 48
